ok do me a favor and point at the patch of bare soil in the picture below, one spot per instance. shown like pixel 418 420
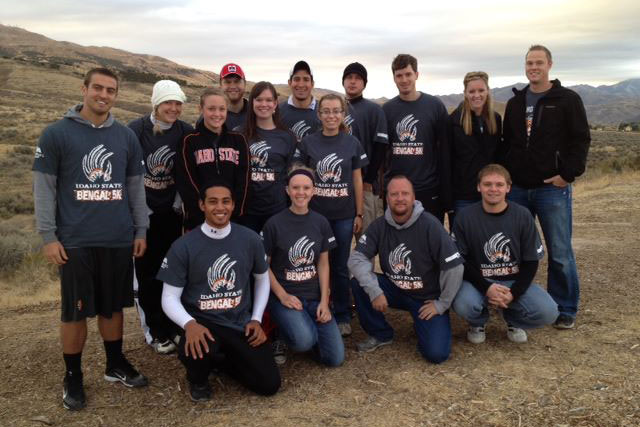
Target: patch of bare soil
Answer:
pixel 588 376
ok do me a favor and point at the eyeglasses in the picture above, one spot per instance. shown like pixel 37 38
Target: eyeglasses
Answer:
pixel 335 112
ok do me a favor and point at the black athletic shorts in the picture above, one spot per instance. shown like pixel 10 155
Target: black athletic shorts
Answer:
pixel 96 281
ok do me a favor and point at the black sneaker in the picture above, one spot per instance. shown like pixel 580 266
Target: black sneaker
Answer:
pixel 126 374
pixel 564 321
pixel 200 392
pixel 73 397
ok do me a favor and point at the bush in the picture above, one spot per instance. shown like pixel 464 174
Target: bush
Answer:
pixel 15 203
pixel 15 246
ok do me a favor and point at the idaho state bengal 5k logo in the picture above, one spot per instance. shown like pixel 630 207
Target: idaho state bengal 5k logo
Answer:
pixel 96 164
pixel 221 274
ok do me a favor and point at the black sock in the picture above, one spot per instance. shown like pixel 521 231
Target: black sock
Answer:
pixel 114 352
pixel 73 363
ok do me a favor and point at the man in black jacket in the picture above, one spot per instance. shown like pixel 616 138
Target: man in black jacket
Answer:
pixel 546 141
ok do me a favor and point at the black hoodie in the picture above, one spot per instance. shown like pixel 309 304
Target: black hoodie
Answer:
pixel 559 140
pixel 208 158
pixel 470 153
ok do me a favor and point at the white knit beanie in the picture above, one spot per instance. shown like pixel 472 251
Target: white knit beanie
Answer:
pixel 166 90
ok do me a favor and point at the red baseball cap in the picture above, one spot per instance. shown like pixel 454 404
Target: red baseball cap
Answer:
pixel 231 68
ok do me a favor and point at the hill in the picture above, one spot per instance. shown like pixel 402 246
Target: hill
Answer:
pixel 604 104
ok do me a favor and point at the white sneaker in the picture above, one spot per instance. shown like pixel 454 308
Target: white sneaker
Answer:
pixel 279 348
pixel 516 335
pixel 163 347
pixel 476 334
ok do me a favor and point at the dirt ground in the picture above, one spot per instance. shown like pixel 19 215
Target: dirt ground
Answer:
pixel 586 376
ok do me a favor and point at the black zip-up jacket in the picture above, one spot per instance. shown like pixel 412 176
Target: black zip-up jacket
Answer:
pixel 208 158
pixel 470 153
pixel 559 140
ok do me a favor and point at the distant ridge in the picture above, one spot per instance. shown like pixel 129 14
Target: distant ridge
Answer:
pixel 604 104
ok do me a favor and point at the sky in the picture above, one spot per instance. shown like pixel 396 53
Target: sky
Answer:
pixel 592 41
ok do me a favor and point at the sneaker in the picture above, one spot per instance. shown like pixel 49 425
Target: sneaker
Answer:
pixel 476 334
pixel 564 321
pixel 370 344
pixel 200 392
pixel 163 347
pixel 73 397
pixel 516 335
pixel 126 374
pixel 345 329
pixel 279 348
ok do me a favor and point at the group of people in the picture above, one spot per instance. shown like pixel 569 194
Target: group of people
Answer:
pixel 241 227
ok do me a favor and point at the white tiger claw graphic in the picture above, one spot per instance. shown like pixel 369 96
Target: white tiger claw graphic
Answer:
pixel 300 253
pixel 406 128
pixel 399 260
pixel 161 161
pixel 300 129
pixel 221 274
pixel 96 164
pixel 329 168
pixel 497 248
pixel 259 154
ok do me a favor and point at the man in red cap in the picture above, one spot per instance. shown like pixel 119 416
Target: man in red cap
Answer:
pixel 233 83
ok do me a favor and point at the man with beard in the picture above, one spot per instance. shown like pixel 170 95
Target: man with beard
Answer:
pixel 421 273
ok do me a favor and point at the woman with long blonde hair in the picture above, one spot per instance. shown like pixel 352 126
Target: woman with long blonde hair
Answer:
pixel 474 133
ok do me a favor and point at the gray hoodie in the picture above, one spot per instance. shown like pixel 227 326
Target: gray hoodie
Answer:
pixel 61 142
pixel 443 251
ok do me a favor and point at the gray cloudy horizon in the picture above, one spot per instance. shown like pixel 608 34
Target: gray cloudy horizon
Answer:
pixel 593 42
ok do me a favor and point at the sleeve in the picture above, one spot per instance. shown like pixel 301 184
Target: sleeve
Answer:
pixel 262 288
pixel 450 282
pixel 496 154
pixel 368 243
pixel 575 158
pixel 48 154
pixel 135 163
pixel 524 278
pixel 442 249
pixel 172 305
pixel 259 257
pixel 175 266
pixel 242 177
pixel 361 267
pixel 504 143
pixel 381 127
pixel 186 181
pixel 302 155
pixel 444 160
pixel 359 159
pixel 328 239
pixel 473 275
pixel 530 243
pixel 138 205
pixel 268 235
pixel 377 156
pixel 45 202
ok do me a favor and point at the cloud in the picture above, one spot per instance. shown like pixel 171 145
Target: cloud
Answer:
pixel 592 41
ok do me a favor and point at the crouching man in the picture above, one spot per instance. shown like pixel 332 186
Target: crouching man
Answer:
pixel 207 292
pixel 501 247
pixel 422 272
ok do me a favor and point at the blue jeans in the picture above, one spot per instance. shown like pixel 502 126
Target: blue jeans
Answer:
pixel 553 207
pixel 301 331
pixel 533 309
pixel 338 257
pixel 434 335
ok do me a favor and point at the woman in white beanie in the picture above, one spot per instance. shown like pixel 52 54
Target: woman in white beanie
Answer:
pixel 160 134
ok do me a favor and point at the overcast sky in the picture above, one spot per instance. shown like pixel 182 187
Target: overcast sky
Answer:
pixel 592 41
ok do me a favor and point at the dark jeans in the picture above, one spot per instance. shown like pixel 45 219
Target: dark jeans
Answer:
pixel 553 207
pixel 253 367
pixel 434 335
pixel 164 229
pixel 338 257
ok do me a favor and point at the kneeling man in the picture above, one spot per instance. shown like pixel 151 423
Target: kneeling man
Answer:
pixel 501 247
pixel 422 273
pixel 207 292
